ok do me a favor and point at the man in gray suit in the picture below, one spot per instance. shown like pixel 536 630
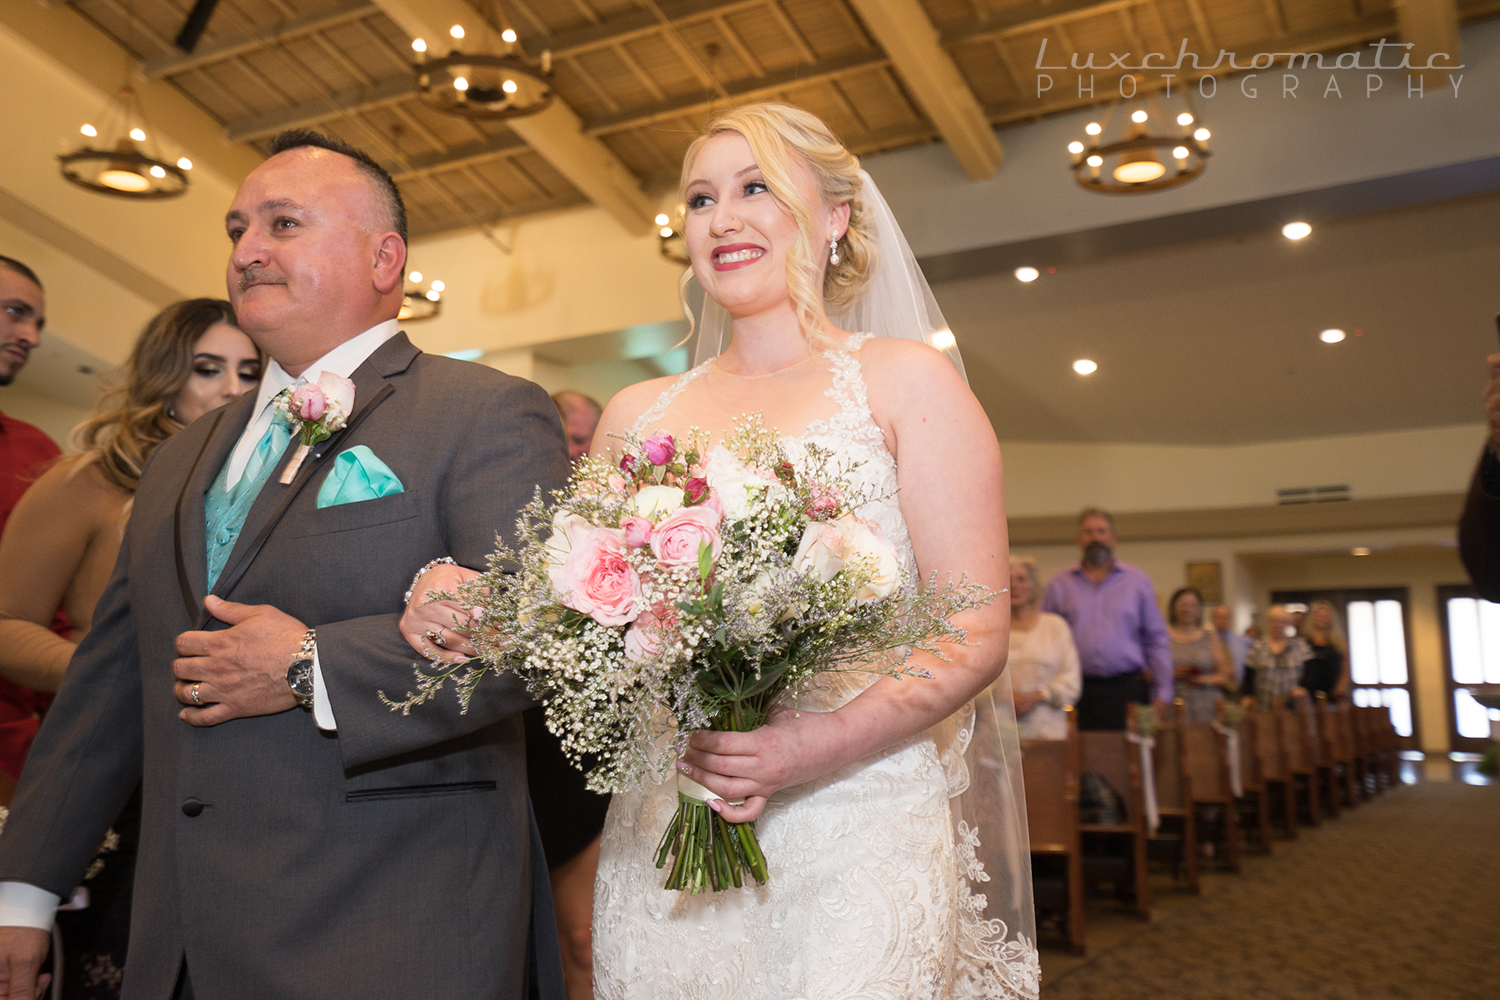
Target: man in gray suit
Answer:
pixel 298 838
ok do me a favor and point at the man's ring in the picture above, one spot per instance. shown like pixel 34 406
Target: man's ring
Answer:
pixel 194 692
pixel 436 638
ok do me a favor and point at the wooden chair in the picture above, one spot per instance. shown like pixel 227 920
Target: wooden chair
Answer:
pixel 1301 771
pixel 1275 772
pixel 1359 737
pixel 1113 757
pixel 1339 743
pixel 1174 802
pixel 1256 777
pixel 1206 761
pixel 1387 744
pixel 1325 771
pixel 1051 768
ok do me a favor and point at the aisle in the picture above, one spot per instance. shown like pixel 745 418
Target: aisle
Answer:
pixel 1398 899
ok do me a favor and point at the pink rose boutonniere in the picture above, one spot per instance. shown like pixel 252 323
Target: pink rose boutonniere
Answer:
pixel 317 411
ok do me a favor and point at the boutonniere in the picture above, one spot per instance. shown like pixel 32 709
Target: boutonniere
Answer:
pixel 318 411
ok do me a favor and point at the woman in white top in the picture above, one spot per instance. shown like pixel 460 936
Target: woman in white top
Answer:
pixel 1043 664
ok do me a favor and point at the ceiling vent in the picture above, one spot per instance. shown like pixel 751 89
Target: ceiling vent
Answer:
pixel 1312 494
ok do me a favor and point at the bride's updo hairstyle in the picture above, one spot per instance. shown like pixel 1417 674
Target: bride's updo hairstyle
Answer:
pixel 780 136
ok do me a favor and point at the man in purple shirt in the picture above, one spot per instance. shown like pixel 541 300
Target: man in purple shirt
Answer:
pixel 1117 627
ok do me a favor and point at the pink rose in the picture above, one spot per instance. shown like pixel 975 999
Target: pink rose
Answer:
pixel 615 484
pixel 637 531
pixel 825 503
pixel 695 491
pixel 597 580
pixel 676 541
pixel 643 638
pixel 660 449
pixel 309 402
pixel 627 465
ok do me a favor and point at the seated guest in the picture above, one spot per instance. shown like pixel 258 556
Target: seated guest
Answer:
pixel 62 544
pixel 1235 644
pixel 1273 667
pixel 1479 525
pixel 1200 664
pixel 1042 672
pixel 1327 667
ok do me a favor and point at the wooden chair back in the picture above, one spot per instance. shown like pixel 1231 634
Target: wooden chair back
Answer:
pixel 1051 772
pixel 1294 743
pixel 1206 763
pixel 1115 759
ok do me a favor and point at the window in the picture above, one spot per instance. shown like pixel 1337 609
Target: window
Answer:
pixel 1471 628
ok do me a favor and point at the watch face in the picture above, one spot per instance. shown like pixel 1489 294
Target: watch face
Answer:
pixel 299 676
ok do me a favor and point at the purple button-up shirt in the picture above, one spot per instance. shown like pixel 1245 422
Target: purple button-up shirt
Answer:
pixel 1117 625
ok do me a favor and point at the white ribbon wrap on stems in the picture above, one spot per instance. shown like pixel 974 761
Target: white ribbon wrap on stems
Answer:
pixel 687 786
pixel 1148 780
pixel 1232 752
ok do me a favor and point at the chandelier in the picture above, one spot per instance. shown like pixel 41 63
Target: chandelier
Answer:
pixel 483 85
pixel 416 304
pixel 669 236
pixel 1142 160
pixel 120 156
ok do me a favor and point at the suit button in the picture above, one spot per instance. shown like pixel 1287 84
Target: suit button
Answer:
pixel 192 807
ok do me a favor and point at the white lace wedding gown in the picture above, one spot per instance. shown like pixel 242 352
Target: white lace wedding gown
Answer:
pixel 871 891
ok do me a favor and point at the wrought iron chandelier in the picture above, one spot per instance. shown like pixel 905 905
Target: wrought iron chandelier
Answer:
pixel 492 86
pixel 417 304
pixel 120 156
pixel 1142 160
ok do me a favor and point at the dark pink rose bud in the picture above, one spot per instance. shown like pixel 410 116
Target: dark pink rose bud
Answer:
pixel 660 449
pixel 695 491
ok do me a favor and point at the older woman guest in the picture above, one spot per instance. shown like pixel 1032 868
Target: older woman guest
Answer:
pixel 1043 664
pixel 62 542
pixel 1273 667
pixel 1200 662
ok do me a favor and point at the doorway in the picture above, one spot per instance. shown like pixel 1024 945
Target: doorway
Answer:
pixel 1471 655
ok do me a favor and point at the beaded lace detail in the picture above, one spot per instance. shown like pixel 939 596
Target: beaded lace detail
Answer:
pixel 876 892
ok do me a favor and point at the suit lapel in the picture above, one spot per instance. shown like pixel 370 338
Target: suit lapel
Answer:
pixel 190 533
pixel 371 388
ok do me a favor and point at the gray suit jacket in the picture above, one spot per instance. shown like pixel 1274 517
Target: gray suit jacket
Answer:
pixel 397 858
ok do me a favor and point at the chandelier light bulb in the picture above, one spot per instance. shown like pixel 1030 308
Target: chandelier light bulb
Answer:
pixel 509 86
pixel 1096 161
pixel 124 180
pixel 460 83
pixel 158 171
pixel 1180 152
pixel 1295 230
pixel 416 277
pixel 1084 366
pixel 1184 119
pixel 666 232
pixel 184 163
pixel 662 219
pixel 1027 274
pixel 1202 135
pixel 1331 336
pixel 433 296
pixel 419 44
pixel 508 35
pixel 137 135
pixel 438 286
pixel 1075 147
pixel 1093 128
pixel 1138 117
pixel 457 31
pixel 89 131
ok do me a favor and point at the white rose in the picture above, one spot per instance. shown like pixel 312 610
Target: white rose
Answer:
pixel 656 502
pixel 565 527
pixel 821 552
pixel 730 481
pixel 865 546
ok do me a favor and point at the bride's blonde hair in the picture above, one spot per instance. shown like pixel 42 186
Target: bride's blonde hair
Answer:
pixel 780 135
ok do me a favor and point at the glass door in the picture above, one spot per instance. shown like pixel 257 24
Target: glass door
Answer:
pixel 1471 646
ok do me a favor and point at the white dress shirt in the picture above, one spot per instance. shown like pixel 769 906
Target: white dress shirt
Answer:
pixel 26 905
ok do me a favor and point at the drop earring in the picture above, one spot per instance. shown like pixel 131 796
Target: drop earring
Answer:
pixel 833 249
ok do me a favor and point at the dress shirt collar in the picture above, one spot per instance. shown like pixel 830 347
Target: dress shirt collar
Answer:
pixel 1114 567
pixel 341 361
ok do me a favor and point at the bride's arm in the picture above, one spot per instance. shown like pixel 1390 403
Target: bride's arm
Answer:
pixel 952 496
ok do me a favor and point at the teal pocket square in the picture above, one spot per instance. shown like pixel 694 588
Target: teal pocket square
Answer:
pixel 357 475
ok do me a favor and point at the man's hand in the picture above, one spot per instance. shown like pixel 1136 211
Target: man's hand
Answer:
pixel 240 671
pixel 21 952
pixel 1492 402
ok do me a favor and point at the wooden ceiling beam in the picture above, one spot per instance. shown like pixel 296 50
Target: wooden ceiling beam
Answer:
pixel 1432 28
pixel 907 34
pixel 322 18
pixel 556 133
pixel 1033 15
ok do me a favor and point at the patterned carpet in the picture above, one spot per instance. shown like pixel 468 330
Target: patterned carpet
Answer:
pixel 1396 900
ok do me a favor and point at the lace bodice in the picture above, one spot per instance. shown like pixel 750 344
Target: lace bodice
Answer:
pixel 877 884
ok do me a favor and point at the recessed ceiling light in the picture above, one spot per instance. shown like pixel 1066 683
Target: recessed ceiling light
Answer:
pixel 1084 366
pixel 1295 230
pixel 1027 274
pixel 1359 550
pixel 1331 336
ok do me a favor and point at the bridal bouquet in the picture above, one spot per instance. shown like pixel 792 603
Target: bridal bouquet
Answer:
pixel 686 589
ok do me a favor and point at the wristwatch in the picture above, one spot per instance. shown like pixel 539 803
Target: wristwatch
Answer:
pixel 299 676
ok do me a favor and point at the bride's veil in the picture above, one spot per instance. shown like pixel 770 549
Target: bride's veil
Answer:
pixel 980 743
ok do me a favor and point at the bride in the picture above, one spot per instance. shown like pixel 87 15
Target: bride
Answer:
pixel 895 832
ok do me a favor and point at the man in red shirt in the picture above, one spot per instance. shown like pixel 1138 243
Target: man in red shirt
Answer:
pixel 24 454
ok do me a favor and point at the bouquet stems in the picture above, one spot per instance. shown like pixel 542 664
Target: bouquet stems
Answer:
pixel 709 853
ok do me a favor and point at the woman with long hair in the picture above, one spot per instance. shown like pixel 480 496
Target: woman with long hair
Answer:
pixel 1200 662
pixel 888 879
pixel 1327 669
pixel 60 547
